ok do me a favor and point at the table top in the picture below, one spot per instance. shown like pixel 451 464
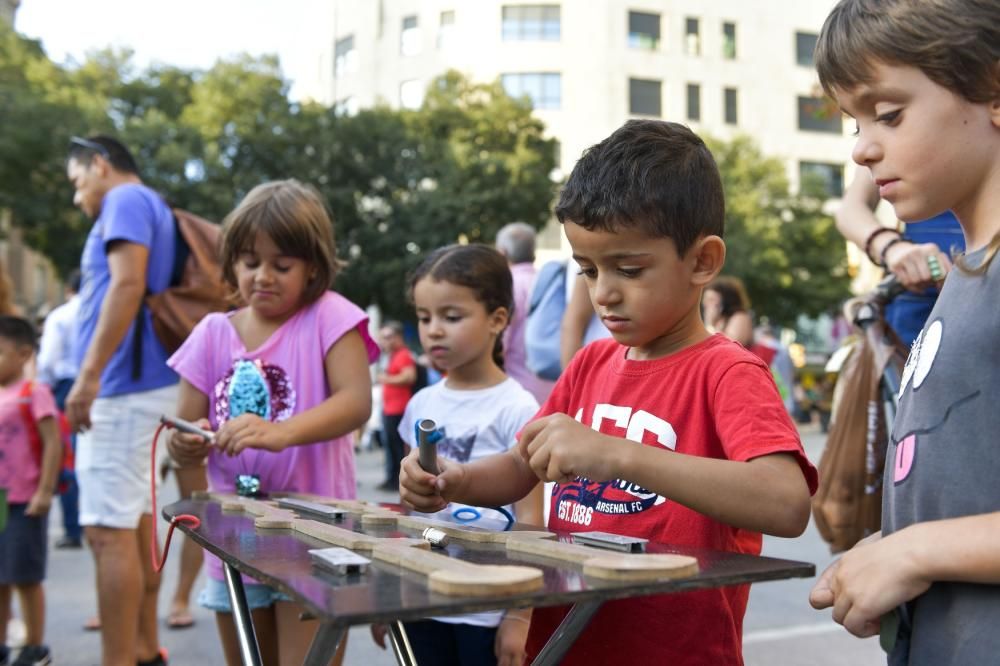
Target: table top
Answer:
pixel 385 592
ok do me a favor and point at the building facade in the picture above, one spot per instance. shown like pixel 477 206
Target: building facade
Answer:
pixel 723 67
pixel 7 10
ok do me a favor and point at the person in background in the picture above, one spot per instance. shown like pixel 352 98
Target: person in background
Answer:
pixel 919 256
pixel 30 451
pixel 516 242
pixel 57 367
pixel 397 387
pixel 113 390
pixel 727 309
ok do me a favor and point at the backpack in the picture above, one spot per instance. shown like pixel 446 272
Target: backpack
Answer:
pixel 35 437
pixel 196 287
pixel 544 321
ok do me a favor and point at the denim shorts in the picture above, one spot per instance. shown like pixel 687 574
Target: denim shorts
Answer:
pixel 23 547
pixel 215 596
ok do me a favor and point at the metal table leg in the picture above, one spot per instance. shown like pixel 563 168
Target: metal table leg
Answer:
pixel 576 620
pixel 241 617
pixel 401 645
pixel 324 645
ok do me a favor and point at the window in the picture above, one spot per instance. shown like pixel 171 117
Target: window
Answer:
pixel 729 40
pixel 729 104
pixel 644 98
pixel 345 56
pixel 693 101
pixel 831 176
pixel 446 30
pixel 543 88
pixel 530 22
pixel 692 37
pixel 411 94
pixel 643 31
pixel 409 38
pixel 805 44
pixel 820 114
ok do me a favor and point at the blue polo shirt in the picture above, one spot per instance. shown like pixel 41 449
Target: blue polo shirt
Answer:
pixel 136 214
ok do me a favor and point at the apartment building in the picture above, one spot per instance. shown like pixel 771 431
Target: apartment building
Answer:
pixel 721 66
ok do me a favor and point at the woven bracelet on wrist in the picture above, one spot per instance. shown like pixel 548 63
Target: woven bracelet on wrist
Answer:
pixel 885 251
pixel 871 239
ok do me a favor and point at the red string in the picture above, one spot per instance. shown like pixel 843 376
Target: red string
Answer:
pixel 193 521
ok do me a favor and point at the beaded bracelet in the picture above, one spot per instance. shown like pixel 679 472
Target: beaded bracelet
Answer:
pixel 885 250
pixel 871 239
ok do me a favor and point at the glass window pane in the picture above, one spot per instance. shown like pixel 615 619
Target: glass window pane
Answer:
pixel 644 97
pixel 530 22
pixel 729 41
pixel 643 30
pixel 693 101
pixel 805 44
pixel 731 113
pixel 820 114
pixel 830 176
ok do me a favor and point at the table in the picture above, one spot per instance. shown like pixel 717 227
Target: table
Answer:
pixel 388 594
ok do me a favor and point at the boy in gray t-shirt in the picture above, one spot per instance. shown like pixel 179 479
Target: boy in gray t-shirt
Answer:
pixel 928 127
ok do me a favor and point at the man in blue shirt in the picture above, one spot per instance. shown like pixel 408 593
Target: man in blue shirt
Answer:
pixel 120 391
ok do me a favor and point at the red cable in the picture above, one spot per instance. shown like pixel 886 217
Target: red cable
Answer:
pixel 193 521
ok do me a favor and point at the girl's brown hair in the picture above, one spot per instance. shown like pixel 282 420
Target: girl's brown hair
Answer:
pixel 294 217
pixel 479 268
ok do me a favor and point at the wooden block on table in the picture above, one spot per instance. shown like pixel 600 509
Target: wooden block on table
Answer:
pixel 640 566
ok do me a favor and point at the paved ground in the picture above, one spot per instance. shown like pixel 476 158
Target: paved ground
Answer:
pixel 780 627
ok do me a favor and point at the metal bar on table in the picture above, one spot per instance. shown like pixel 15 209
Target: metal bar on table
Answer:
pixel 401 645
pixel 241 617
pixel 324 645
pixel 576 620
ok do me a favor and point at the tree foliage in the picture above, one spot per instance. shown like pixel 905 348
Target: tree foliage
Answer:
pixel 398 183
pixel 781 244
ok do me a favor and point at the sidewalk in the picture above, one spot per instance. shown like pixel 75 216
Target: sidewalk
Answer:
pixel 780 627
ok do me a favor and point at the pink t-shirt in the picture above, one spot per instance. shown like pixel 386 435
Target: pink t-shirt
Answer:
pixel 283 377
pixel 19 468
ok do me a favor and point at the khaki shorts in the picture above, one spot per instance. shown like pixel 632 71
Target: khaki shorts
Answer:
pixel 113 458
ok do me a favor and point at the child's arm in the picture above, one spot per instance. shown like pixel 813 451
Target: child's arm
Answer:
pixel 192 405
pixel 52 453
pixel 879 573
pixel 495 480
pixel 347 408
pixel 768 494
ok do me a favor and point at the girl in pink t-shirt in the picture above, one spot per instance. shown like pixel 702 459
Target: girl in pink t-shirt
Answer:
pixel 283 382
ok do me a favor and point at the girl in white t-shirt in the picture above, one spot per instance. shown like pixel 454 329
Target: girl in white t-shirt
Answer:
pixel 463 296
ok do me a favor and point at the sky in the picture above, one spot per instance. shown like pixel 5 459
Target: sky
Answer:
pixel 187 33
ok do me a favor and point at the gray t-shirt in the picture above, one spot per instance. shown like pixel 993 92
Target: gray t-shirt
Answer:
pixel 943 462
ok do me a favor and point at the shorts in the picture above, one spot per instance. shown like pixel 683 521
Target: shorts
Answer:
pixel 23 547
pixel 215 596
pixel 113 457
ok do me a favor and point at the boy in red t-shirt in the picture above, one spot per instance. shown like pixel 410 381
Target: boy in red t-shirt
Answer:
pixel 30 454
pixel 665 431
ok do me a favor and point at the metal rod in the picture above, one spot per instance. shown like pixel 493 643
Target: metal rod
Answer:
pixel 324 645
pixel 428 449
pixel 576 621
pixel 241 617
pixel 401 644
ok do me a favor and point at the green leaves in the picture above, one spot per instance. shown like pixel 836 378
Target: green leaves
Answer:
pixel 781 244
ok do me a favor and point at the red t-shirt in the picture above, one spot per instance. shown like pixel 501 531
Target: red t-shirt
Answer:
pixel 714 399
pixel 395 396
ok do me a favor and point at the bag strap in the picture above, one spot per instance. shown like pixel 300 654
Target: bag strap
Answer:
pixel 24 405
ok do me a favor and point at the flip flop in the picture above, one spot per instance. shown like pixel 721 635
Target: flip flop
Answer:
pixel 180 620
pixel 92 624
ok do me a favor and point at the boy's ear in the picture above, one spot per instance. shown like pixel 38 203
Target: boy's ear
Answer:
pixel 709 254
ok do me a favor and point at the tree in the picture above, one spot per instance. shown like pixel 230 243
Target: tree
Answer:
pixel 785 249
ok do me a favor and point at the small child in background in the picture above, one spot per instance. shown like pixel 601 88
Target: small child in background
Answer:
pixel 922 81
pixel 664 432
pixel 463 295
pixel 284 382
pixel 30 456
